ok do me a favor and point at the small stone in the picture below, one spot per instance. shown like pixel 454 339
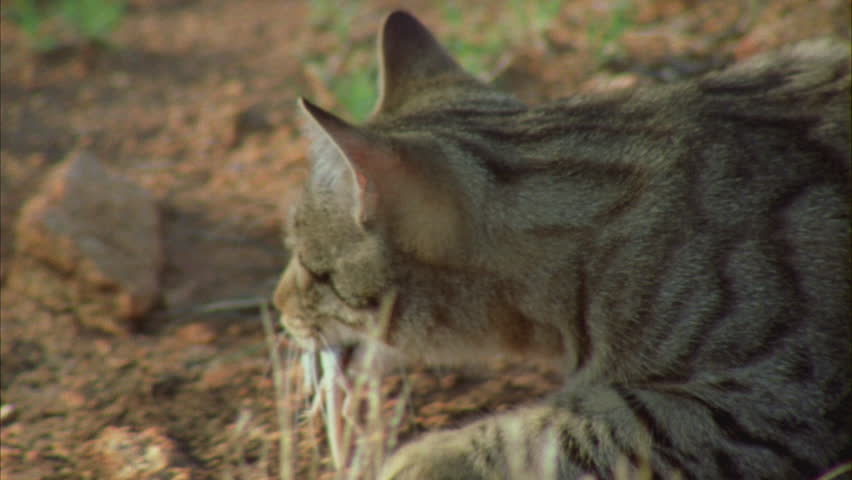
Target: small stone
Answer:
pixel 196 334
pixel 219 375
pixel 435 421
pixel 7 413
pixel 150 454
pixel 449 381
pixel 72 399
pixel 8 452
pixel 90 240
pixel 253 119
pixel 435 408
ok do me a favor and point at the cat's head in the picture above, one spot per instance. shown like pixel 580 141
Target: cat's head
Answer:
pixel 388 216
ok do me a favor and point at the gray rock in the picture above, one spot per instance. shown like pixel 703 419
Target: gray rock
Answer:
pixel 90 240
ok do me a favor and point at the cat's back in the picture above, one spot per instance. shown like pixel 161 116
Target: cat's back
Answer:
pixel 750 143
pixel 743 212
pixel 802 89
pixel 765 155
pixel 768 143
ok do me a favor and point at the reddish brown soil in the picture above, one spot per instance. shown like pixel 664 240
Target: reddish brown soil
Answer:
pixel 194 101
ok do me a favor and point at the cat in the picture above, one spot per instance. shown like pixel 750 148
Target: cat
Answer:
pixel 682 251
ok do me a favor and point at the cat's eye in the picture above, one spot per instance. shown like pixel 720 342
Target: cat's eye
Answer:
pixel 319 277
pixel 324 278
pixel 372 303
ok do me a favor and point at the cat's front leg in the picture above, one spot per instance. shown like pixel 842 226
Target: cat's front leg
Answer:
pixel 694 429
pixel 442 455
pixel 522 444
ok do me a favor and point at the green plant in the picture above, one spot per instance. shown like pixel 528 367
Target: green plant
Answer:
pixel 486 53
pixel 356 93
pixel 31 17
pixel 44 21
pixel 531 19
pixel 94 20
pixel 476 56
pixel 349 73
pixel 605 35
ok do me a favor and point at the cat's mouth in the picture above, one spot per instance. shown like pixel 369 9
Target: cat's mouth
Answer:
pixel 354 358
pixel 341 349
pixel 345 362
pixel 349 360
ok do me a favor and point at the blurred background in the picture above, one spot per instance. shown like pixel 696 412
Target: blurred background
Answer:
pixel 147 151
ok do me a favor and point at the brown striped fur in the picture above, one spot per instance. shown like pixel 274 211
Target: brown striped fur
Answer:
pixel 683 251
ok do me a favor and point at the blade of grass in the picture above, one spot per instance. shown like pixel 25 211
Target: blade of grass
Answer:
pixel 286 457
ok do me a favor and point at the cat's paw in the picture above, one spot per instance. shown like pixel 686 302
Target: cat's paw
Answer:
pixel 437 456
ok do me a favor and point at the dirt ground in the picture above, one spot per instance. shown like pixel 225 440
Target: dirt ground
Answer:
pixel 194 101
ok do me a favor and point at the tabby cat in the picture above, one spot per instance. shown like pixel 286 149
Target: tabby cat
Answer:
pixel 683 251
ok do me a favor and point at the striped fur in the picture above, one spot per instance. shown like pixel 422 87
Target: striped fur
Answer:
pixel 682 251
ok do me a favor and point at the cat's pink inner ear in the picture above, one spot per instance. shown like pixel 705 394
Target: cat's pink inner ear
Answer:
pixel 361 180
pixel 408 56
pixel 368 199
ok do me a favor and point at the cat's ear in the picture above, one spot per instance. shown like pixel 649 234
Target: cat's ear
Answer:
pixel 398 187
pixel 367 158
pixel 409 58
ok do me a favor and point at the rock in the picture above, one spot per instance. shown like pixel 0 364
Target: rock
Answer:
pixel 253 119
pixel 150 454
pixel 89 241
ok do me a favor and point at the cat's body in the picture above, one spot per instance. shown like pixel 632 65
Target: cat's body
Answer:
pixel 682 251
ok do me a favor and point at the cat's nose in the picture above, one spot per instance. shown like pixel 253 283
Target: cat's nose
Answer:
pixel 281 293
pixel 295 280
pixel 303 277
